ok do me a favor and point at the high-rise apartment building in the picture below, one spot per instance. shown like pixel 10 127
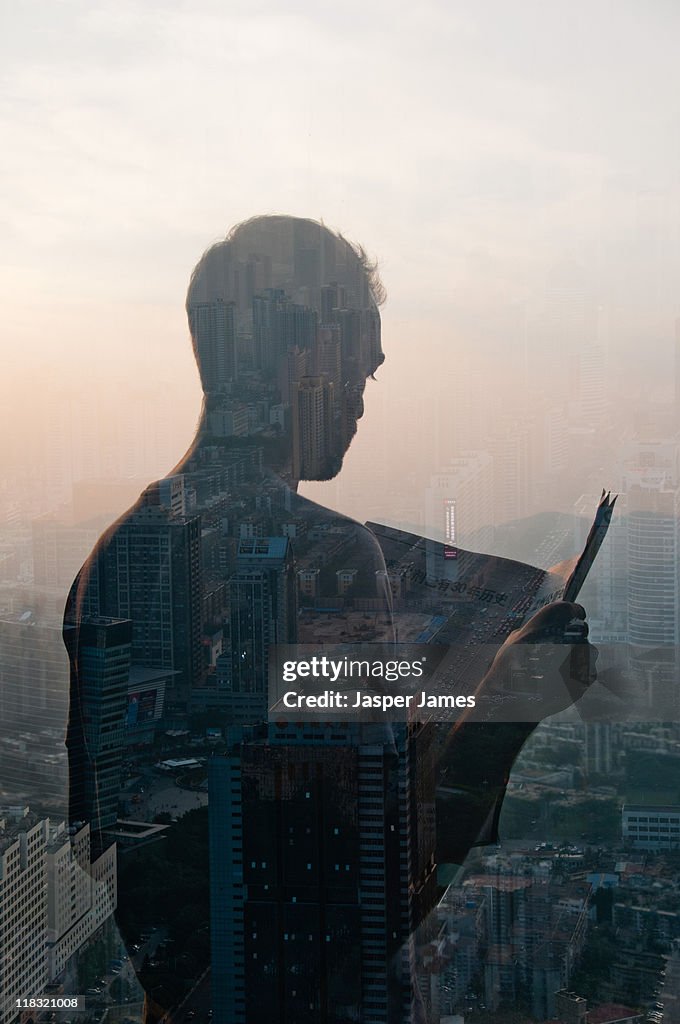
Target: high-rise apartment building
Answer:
pixel 23 908
pixel 322 867
pixel 328 356
pixel 313 427
pixel 81 893
pixel 292 370
pixel 212 328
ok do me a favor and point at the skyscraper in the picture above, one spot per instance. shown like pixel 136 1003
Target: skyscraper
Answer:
pixel 651 481
pixel 263 612
pixel 459 503
pixel 328 355
pixel 96 728
pixel 293 369
pixel 212 327
pixel 313 427
pixel 150 572
pixel 322 866
pixel 653 503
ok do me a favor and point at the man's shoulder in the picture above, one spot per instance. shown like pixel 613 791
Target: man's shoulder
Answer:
pixel 328 523
pixel 86 582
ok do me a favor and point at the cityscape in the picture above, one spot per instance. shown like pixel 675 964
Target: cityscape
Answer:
pixel 170 853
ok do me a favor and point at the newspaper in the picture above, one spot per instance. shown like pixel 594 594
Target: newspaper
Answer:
pixel 437 576
pixel 472 602
pixel 452 611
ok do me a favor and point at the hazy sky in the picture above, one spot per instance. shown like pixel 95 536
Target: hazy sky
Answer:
pixel 472 147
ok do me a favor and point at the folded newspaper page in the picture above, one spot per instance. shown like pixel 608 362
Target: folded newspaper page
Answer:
pixel 507 591
pixel 598 532
pixel 452 611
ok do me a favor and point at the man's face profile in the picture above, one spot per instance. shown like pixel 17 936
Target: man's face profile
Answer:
pixel 285 327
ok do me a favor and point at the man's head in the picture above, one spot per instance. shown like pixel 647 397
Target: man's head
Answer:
pixel 285 327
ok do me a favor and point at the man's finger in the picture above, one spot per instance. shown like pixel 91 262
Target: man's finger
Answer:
pixel 554 618
pixel 576 631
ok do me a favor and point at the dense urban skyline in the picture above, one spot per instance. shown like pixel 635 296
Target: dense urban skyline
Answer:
pixel 516 175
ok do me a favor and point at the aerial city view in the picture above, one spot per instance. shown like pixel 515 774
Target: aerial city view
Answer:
pixel 340 595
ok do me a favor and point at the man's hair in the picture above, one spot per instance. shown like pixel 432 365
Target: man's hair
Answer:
pixel 278 223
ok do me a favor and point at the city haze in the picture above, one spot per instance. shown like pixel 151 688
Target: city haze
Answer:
pixel 505 169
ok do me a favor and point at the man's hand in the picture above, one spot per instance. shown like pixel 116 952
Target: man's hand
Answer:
pixel 542 668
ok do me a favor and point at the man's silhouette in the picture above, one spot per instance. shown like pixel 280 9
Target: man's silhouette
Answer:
pixel 323 840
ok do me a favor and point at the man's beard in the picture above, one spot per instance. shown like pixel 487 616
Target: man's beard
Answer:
pixel 336 458
pixel 331 467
